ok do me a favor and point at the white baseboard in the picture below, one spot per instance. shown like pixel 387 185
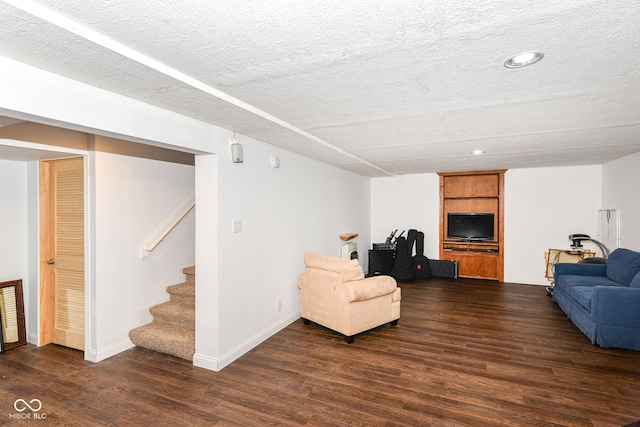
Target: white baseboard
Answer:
pixel 524 280
pixel 217 364
pixel 105 353
pixel 205 362
pixel 32 338
pixel 92 355
pixel 200 360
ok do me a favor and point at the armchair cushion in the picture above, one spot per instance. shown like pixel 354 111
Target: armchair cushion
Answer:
pixel 371 287
pixel 348 269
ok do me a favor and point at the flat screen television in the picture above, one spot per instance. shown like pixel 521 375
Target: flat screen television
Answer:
pixel 470 226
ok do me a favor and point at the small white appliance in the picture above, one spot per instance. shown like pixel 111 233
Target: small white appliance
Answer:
pixel 350 250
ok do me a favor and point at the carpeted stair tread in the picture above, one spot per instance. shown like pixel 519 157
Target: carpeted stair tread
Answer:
pixel 172 330
pixel 165 338
pixel 184 289
pixel 175 313
pixel 190 272
pixel 183 292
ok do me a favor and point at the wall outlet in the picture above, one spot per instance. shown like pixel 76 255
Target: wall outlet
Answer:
pixel 279 305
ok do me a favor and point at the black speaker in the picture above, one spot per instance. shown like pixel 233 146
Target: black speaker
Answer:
pixel 380 262
pixel 443 268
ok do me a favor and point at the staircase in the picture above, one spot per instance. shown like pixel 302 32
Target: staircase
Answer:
pixel 172 330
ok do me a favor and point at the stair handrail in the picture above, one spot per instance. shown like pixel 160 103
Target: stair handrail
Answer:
pixel 160 235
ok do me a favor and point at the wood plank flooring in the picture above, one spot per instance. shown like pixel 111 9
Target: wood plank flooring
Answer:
pixel 465 353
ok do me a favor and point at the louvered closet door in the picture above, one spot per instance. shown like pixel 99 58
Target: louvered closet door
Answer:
pixel 66 265
pixel 8 315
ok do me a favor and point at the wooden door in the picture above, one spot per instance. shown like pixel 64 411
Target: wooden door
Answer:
pixel 62 252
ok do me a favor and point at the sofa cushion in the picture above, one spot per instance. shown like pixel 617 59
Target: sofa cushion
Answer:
pixel 635 283
pixel 566 282
pixel 582 295
pixel 623 265
pixel 349 269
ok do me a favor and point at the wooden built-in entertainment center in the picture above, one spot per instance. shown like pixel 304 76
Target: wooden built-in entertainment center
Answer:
pixel 474 192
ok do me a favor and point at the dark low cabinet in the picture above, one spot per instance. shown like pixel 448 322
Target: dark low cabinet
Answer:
pixel 380 261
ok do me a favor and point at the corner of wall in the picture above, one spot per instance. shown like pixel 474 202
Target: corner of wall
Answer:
pixel 106 352
pixel 217 364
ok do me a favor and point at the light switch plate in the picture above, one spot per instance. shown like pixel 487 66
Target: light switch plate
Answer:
pixel 236 226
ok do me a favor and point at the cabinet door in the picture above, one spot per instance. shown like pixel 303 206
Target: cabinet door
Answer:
pixel 474 265
pixel 471 185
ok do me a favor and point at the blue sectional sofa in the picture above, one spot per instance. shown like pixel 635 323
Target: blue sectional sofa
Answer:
pixel 603 300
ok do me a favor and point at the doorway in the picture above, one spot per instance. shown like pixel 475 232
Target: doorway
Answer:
pixel 62 252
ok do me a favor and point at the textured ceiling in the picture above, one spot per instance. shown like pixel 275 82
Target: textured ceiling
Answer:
pixel 376 87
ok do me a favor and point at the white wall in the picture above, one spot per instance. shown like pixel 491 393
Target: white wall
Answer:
pixel 404 202
pixel 620 191
pixel 302 206
pixel 207 255
pixel 14 232
pixel 32 289
pixel 542 207
pixel 13 220
pixel 131 199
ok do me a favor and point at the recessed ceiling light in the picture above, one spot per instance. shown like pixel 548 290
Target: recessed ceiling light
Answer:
pixel 477 152
pixel 523 59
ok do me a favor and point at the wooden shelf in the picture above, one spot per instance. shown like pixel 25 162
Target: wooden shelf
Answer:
pixel 474 192
pixel 470 197
pixel 471 247
pixel 348 236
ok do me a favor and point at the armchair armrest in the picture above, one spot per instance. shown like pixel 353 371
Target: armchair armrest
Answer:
pixel 371 287
pixel 616 305
pixel 580 269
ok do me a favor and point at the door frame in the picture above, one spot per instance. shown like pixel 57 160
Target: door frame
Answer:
pixel 44 334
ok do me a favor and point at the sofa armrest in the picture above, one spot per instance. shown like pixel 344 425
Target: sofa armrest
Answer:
pixel 576 269
pixel 616 305
pixel 371 287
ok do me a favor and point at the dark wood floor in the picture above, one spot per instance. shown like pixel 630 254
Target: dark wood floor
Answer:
pixel 465 353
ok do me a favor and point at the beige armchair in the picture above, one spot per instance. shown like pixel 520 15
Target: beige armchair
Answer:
pixel 334 293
